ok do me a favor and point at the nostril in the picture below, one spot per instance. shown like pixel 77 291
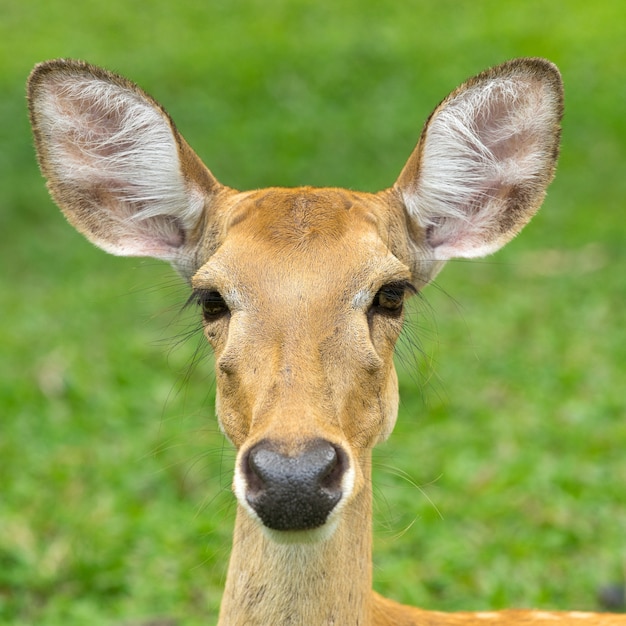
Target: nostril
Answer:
pixel 294 492
pixel 257 465
pixel 332 474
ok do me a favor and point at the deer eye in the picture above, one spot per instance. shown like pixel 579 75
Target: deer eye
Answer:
pixel 389 299
pixel 212 304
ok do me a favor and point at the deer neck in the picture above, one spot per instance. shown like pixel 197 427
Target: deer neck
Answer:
pixel 325 582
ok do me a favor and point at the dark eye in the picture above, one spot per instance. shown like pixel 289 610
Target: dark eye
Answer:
pixel 389 299
pixel 212 305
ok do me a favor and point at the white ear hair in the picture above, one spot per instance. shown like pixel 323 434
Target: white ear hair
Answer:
pixel 114 161
pixel 484 160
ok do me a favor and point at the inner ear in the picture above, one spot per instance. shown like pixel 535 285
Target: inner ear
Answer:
pixel 115 163
pixel 485 158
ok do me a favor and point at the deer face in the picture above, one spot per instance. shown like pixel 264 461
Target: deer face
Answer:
pixel 303 304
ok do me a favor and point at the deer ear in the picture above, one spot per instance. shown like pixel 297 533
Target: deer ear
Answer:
pixel 484 160
pixel 115 163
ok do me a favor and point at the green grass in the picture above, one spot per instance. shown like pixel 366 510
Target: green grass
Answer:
pixel 503 484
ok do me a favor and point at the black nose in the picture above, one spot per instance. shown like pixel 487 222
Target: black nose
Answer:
pixel 294 492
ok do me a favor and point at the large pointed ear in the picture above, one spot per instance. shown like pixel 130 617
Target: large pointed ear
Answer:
pixel 115 163
pixel 484 160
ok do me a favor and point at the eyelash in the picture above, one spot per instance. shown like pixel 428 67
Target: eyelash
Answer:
pixel 389 299
pixel 211 302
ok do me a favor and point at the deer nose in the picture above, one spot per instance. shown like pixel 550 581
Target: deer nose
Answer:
pixel 294 492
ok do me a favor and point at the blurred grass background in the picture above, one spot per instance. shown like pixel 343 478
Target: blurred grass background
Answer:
pixel 504 483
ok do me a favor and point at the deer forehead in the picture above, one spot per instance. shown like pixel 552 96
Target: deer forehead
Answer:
pixel 296 247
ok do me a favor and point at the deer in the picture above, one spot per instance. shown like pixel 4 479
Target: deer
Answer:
pixel 302 295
